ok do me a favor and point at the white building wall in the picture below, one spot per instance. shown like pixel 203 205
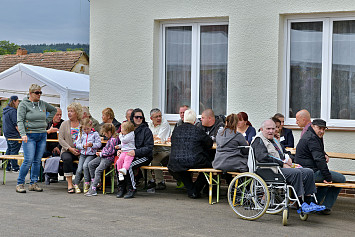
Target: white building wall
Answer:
pixel 124 53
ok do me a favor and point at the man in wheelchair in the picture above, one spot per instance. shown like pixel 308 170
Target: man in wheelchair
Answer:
pixel 269 150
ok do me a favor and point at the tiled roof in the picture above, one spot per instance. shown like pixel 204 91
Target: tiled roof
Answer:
pixel 56 60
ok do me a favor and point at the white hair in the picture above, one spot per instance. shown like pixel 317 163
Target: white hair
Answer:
pixel 263 123
pixel 189 116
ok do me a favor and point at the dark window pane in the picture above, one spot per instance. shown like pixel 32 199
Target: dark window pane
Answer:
pixel 213 68
pixel 343 71
pixel 305 68
pixel 177 68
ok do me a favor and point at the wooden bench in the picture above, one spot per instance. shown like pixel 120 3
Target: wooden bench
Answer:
pixel 208 172
pixel 12 157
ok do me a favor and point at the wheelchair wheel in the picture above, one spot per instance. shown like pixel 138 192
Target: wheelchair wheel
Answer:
pixel 248 196
pixel 284 217
pixel 277 200
pixel 303 216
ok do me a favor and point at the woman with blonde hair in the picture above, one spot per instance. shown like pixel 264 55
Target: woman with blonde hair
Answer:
pixel 68 133
pixel 32 123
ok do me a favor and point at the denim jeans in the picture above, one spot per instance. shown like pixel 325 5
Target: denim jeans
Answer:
pixel 13 148
pixel 328 195
pixel 33 151
pixel 83 165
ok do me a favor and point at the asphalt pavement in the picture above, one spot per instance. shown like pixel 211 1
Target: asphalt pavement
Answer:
pixel 53 212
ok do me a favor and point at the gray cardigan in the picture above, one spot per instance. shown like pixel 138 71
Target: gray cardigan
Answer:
pixel 228 157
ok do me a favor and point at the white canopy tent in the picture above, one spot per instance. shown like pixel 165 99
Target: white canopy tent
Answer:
pixel 58 86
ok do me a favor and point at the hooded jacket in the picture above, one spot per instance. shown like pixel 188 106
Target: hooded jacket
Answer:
pixel 230 158
pixel 83 139
pixel 310 153
pixel 144 142
pixel 10 122
pixel 31 116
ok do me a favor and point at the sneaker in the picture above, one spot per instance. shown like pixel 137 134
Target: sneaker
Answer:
pixel 20 188
pixel 86 188
pixel 120 193
pixel 77 189
pixel 151 185
pixel 15 171
pixel 120 176
pixel 123 171
pixel 161 186
pixel 180 185
pixel 91 192
pixel 35 187
pixel 130 193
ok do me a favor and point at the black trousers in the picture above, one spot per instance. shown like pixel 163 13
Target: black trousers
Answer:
pixel 129 181
pixel 186 178
pixel 68 167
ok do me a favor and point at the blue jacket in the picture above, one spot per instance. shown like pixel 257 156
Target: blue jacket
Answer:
pixel 10 122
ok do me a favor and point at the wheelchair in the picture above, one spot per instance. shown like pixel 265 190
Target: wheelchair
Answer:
pixel 262 190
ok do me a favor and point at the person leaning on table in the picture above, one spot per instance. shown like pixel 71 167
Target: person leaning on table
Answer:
pixel 68 133
pixel 189 149
pixel 32 123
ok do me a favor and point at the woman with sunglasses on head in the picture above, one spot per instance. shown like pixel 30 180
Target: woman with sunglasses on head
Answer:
pixel 143 154
pixel 32 124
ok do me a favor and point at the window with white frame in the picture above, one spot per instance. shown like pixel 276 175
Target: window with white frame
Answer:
pixel 320 69
pixel 194 67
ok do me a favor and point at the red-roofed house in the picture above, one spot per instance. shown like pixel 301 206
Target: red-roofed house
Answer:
pixel 71 61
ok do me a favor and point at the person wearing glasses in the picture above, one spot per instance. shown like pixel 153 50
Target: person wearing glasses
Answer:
pixel 161 132
pixel 32 124
pixel 143 154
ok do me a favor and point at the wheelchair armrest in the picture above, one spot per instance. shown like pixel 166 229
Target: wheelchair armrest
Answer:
pixel 267 164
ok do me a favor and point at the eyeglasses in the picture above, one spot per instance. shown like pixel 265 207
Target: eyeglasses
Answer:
pixel 158 116
pixel 37 92
pixel 138 117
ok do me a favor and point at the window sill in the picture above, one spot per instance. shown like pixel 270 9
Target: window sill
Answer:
pixel 346 129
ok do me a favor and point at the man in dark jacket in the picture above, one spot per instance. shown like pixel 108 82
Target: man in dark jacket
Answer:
pixel 53 148
pixel 210 123
pixel 189 149
pixel 310 154
pixel 11 131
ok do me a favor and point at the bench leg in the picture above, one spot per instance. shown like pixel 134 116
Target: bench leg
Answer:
pixel 103 182
pixel 145 179
pixel 211 182
pixel 4 163
pixel 113 180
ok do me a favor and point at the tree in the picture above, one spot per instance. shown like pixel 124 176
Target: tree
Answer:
pixel 8 48
pixel 50 50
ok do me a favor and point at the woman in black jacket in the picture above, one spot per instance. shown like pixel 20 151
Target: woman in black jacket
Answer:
pixel 143 154
pixel 189 149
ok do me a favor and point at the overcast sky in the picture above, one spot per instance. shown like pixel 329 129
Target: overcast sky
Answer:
pixel 44 21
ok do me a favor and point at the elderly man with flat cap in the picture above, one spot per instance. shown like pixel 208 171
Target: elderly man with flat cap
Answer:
pixel 310 154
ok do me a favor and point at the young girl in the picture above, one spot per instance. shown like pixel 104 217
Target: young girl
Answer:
pixel 127 144
pixel 88 142
pixel 104 158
